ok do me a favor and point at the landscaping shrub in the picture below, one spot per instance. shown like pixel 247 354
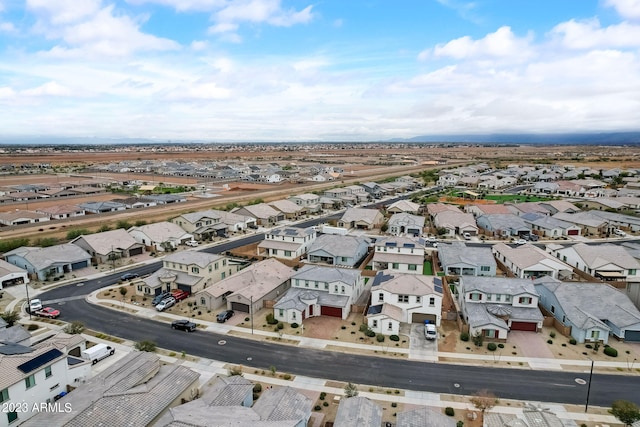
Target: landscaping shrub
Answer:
pixel 394 404
pixel 256 396
pixel 343 327
pixel 317 408
pixel 32 327
pixel 380 338
pixel 246 319
pixel 549 341
pixel 294 325
pixel 573 341
pixel 280 325
pixel 370 333
pixel 552 334
pixel 271 320
pixel 464 336
pixel 353 323
pixel 500 345
pixel 257 388
pixel 461 423
pixel 610 351
pixel 364 328
pixel 449 411
pixel 394 338
pixel 325 404
pixel 492 346
pixel 323 395
pixel 588 346
pixel 287 376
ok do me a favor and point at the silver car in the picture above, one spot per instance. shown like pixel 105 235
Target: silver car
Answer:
pixel 165 303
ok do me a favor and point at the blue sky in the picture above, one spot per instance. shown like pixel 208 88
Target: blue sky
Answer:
pixel 326 70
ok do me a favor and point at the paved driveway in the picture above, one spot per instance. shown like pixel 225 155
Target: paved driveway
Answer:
pixel 530 344
pixel 419 347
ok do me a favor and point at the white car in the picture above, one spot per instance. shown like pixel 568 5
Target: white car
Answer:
pixel 192 243
pixel 520 242
pixel 430 331
pixel 34 305
pixel 619 232
pixel 466 236
pixel 165 303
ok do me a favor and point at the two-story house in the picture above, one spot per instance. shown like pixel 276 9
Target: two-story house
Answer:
pixel 607 262
pixel 338 250
pixel 319 291
pixel 458 259
pixel 287 242
pixel 403 298
pixel 492 306
pixel 398 254
pixel 308 200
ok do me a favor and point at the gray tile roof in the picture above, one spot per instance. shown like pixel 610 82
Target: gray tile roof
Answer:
pixel 293 299
pixel 479 316
pixel 337 245
pixel 43 258
pixel 201 259
pixel 107 241
pixel 282 404
pixel 407 219
pixel 9 365
pixel 327 274
pixel 460 253
pixel 424 417
pixel 601 255
pixel 228 391
pixel 497 285
pixel 358 411
pixel 359 214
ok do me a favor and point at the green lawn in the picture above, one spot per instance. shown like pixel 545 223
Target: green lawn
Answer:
pixel 502 198
pixel 427 269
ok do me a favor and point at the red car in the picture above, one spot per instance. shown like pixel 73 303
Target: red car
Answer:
pixel 49 312
pixel 179 294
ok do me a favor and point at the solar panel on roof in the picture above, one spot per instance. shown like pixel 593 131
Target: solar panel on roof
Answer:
pixel 409 245
pixel 392 244
pixel 39 361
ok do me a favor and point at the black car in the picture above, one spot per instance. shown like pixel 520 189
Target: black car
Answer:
pixel 128 276
pixel 224 316
pixel 156 300
pixel 184 325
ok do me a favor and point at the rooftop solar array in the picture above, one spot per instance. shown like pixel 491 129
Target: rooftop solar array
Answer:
pixel 39 361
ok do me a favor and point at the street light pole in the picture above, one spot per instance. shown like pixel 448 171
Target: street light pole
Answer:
pixel 586 405
pixel 26 287
pixel 251 312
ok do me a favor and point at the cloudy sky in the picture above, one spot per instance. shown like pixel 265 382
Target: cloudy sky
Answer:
pixel 327 70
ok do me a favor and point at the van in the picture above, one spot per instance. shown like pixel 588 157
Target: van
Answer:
pixel 98 352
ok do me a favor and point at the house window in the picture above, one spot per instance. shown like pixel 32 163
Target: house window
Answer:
pixel 293 315
pixel 374 323
pixel 490 333
pixel 488 297
pixel 287 253
pixel 306 284
pixel 632 272
pixel 432 301
pixel 396 265
pixel 507 298
pixel 215 266
pixel 326 286
pixel 418 299
pixel 4 395
pixel 195 270
pixel 498 297
pixel 344 259
pixel 390 327
pixel 203 301
pixel 30 381
pixel 380 297
pixel 524 300
pixel 47 372
pixel 274 252
pixel 316 285
pixel 476 297
pixel 223 275
pixel 280 312
pixel 11 417
pixel 403 298
pixel 413 267
pixel 224 262
pixel 595 335
pixel 553 309
pixel 342 289
pixel 210 269
pixel 335 289
pixel 485 268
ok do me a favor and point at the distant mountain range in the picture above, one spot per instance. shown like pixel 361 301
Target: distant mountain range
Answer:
pixel 603 138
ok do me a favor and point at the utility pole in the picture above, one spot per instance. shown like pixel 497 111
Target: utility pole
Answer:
pixel 586 405
pixel 26 287
pixel 251 312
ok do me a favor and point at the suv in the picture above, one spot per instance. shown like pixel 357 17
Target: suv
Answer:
pixel 179 294
pixel 184 325
pixel 430 331
pixel 162 295
pixel 34 305
pixel 166 303
pixel 128 276
pixel 224 316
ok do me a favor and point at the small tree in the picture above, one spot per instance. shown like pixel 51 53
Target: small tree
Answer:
pixel 483 400
pixel 123 291
pixel 74 328
pixel 11 317
pixel 350 390
pixel 625 411
pixel 146 345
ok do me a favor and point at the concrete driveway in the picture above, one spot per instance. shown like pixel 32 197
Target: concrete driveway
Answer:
pixel 419 347
pixel 531 344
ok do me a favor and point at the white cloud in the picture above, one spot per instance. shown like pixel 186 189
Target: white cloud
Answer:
pixel 47 89
pixel 7 27
pixel 589 34
pixel 628 9
pixel 62 12
pixel 503 43
pixel 198 45
pixel 186 5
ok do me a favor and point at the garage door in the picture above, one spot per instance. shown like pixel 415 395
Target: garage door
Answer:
pixel 331 311
pixel 185 288
pixel 136 251
pixel 573 232
pixel 632 336
pixel 236 306
pixel 421 317
pixel 79 265
pixel 524 326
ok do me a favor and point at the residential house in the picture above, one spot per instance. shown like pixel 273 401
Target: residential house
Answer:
pixel 424 417
pixel 210 223
pixel 435 208
pixel 607 262
pixel 137 202
pixel 358 193
pixel 109 245
pixel 374 189
pixel 102 207
pixel 160 236
pixel 229 401
pixel 61 211
pixel 593 311
pixel 403 298
pixel 626 223
pixel 264 214
pixel 336 193
pixel 19 217
pixel 358 411
pixel 11 275
pixel 248 289
pixel 399 255
pixel 49 262
pixel 138 380
pixel 405 223
pixel 503 225
pixel 550 227
pixel 344 251
pixel 603 203
pixel 308 200
pixel 455 223
pixel 479 210
pixel 319 291
pixel 530 262
pixel 287 242
pixel 458 259
pixel 448 180
pixel 532 416
pixel 289 209
pixel 190 271
pixel 360 218
pixel 165 199
pixel 492 306
pixel 591 224
pixel 520 209
pixel 16 334
pixel 404 206
pixel 555 206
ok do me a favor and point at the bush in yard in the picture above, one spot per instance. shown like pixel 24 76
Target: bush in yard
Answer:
pixel 552 334
pixel 317 408
pixel 32 327
pixel 323 395
pixel 492 346
pixel 325 404
pixel 257 388
pixel 449 411
pixel 246 319
pixel 549 341
pixel 573 341
pixel 464 336
pixel 460 423
pixel 271 320
pixel 394 338
pixel 370 333
pixel 364 328
pixel 380 338
pixel 280 325
pixel 294 325
pixel 610 351
pixel 500 345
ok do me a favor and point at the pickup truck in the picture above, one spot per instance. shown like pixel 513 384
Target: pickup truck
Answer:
pixel 49 312
pixel 179 294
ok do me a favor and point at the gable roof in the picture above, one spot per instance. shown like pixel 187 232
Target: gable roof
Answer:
pixel 42 258
pixel 497 285
pixel 261 210
pixel 368 216
pixel 601 255
pixel 107 241
pixel 407 284
pixel 404 205
pixel 460 253
pixel 358 411
pixel 526 255
pixel 161 231
pixel 337 245
pixel 199 258
pixel 408 219
pixel 327 274
pixel 254 281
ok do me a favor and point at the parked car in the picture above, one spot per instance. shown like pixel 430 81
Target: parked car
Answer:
pixel 191 243
pixel 162 295
pixel 430 331
pixel 532 237
pixel 179 294
pixel 520 242
pixel 128 276
pixel 619 232
pixel 98 352
pixel 166 303
pixel 34 305
pixel 49 312
pixel 184 325
pixel 466 236
pixel 224 316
